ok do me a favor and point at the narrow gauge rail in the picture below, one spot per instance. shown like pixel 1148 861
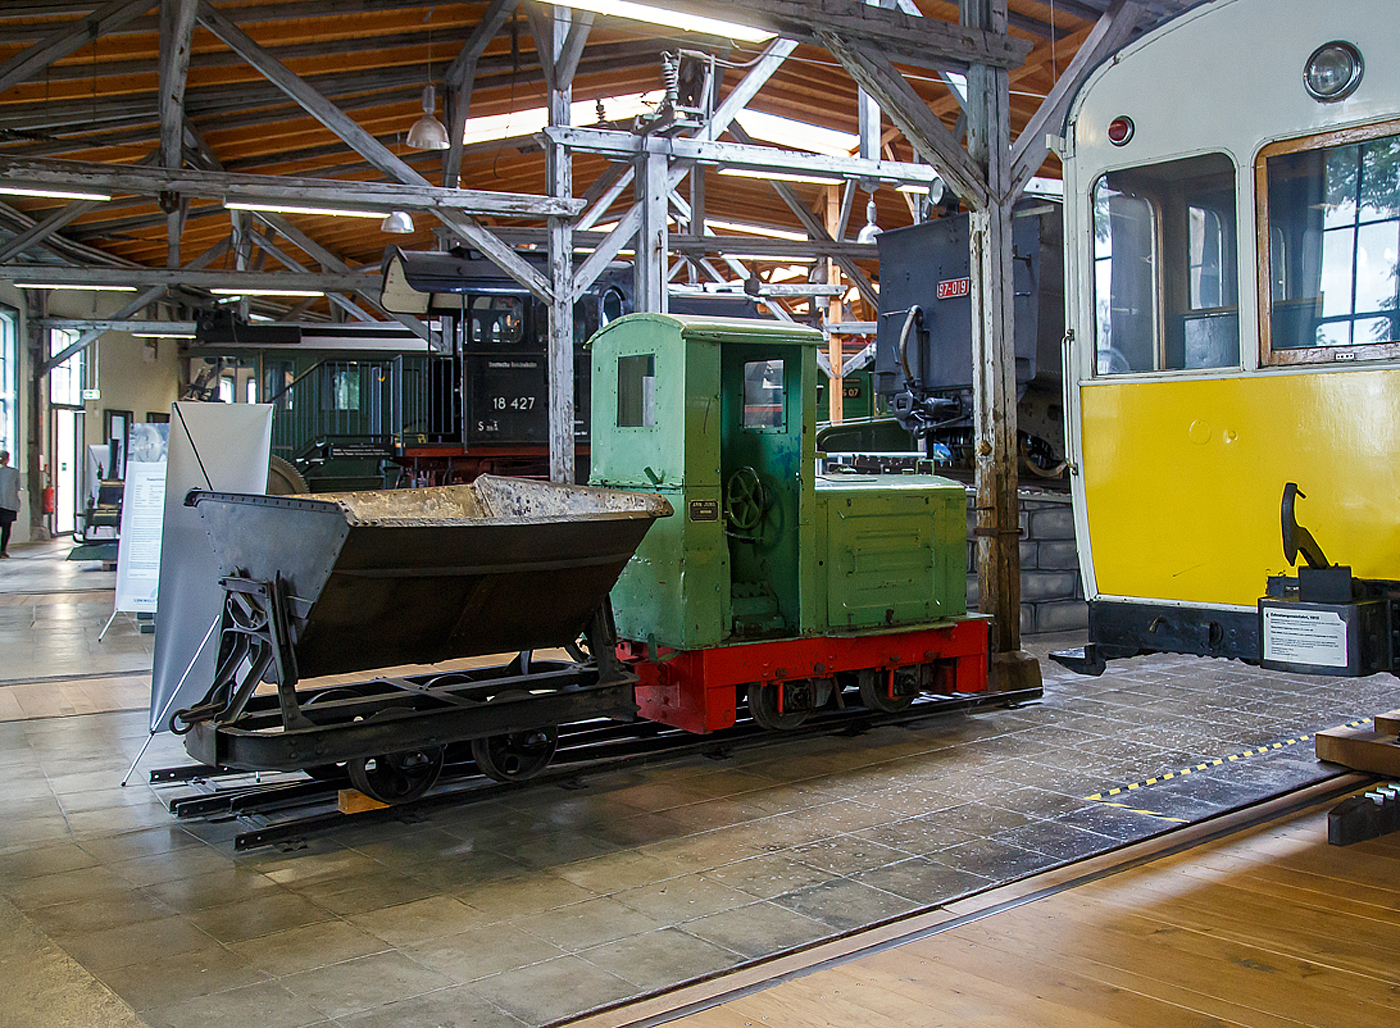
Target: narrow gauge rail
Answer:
pixel 288 807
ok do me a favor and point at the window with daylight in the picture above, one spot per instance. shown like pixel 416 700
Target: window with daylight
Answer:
pixel 1331 285
pixel 1166 273
pixel 67 380
pixel 9 383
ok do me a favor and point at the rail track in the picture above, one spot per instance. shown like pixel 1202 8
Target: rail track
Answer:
pixel 275 808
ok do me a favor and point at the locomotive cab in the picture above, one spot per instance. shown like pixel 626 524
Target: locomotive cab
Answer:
pixel 710 414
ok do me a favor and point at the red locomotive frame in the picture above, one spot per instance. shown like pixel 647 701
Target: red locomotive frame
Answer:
pixel 697 690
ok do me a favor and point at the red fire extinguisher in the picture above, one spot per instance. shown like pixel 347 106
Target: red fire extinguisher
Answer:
pixel 47 498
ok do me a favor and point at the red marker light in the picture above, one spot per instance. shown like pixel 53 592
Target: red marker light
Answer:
pixel 1120 130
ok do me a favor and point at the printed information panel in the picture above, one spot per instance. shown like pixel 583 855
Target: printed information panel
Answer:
pixel 1316 637
pixel 143 513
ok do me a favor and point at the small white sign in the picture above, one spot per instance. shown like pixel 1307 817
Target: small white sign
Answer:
pixel 1316 637
pixel 92 394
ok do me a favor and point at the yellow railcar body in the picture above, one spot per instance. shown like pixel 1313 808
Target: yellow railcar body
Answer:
pixel 1183 479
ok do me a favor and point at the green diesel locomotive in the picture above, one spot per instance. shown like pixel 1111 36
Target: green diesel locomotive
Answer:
pixel 776 581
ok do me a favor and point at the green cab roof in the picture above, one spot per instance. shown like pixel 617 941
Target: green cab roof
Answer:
pixel 722 330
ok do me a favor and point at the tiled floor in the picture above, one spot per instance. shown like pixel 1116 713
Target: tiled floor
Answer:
pixel 555 901
pixel 51 612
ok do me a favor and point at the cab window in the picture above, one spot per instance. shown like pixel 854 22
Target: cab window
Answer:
pixel 1333 220
pixel 1166 285
pixel 636 391
pixel 497 320
pixel 763 394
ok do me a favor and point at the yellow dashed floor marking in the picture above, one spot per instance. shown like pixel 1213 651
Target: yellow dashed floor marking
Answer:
pixel 1103 797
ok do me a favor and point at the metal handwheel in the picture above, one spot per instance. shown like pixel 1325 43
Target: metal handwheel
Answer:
pixel 745 499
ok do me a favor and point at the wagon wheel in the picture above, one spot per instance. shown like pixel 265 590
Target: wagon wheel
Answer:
pixel 329 772
pixel 516 756
pixel 745 499
pixel 763 707
pixel 876 688
pixel 396 777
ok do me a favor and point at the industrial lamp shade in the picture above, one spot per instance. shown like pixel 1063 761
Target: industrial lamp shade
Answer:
pixel 399 223
pixel 427 132
pixel 868 233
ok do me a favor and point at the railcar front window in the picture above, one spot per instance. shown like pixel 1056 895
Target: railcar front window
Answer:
pixel 1166 280
pixel 1334 226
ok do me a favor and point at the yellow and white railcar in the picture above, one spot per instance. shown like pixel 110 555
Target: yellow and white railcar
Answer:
pixel 1232 226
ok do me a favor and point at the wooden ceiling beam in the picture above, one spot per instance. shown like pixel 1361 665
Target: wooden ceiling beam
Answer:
pixel 370 148
pixel 68 39
pixel 152 181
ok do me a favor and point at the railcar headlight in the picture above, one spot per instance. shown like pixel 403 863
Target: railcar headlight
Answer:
pixel 1333 71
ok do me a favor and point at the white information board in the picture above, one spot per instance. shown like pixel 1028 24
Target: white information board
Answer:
pixel 1316 637
pixel 143 511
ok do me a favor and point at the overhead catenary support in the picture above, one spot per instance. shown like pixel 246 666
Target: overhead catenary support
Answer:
pixel 369 148
pixel 613 143
pixel 738 98
pixel 654 203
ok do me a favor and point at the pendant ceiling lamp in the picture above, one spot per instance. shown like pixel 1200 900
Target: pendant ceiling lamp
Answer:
pixel 427 132
pixel 399 223
pixel 868 233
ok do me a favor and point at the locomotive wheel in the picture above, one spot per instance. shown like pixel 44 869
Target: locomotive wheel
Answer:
pixel 875 693
pixel 763 707
pixel 396 777
pixel 516 756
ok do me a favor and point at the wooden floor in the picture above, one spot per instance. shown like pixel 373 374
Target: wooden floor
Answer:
pixel 1268 927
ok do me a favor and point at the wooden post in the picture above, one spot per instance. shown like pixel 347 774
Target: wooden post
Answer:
pixel 35 308
pixel 561 265
pixel 653 242
pixel 835 397
pixel 994 364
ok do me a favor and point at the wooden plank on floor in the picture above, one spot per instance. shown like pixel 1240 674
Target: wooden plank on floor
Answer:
pixel 1269 928
pixel 1155 956
pixel 1131 999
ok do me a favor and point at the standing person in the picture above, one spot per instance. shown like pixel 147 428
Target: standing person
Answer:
pixel 9 500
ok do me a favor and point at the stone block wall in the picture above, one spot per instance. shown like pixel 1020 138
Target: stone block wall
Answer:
pixel 1052 595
